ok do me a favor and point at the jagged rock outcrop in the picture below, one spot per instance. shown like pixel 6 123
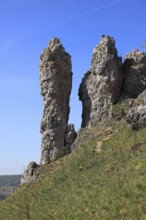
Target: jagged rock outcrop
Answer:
pixel 137 113
pixel 109 91
pixel 137 117
pixel 134 88
pixel 135 74
pixel 101 85
pixel 29 174
pixel 56 84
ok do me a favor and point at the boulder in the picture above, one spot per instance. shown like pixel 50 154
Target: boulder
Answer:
pixel 137 117
pixel 137 113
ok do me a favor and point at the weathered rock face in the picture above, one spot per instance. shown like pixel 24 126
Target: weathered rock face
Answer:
pixel 56 84
pixel 101 85
pixel 135 74
pixel 29 174
pixel 137 117
pixel 70 136
pixel 137 113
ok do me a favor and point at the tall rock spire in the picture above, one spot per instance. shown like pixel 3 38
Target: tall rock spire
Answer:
pixel 56 84
pixel 101 85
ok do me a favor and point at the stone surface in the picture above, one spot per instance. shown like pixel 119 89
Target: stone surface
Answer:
pixel 137 117
pixel 29 174
pixel 101 85
pixel 70 136
pixel 137 113
pixel 56 84
pixel 135 74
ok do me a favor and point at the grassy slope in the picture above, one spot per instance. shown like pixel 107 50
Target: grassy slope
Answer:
pixel 110 185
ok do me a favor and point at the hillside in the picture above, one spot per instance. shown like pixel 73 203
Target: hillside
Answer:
pixel 98 172
pixel 7 184
pixel 103 179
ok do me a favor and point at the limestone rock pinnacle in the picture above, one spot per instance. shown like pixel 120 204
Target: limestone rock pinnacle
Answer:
pixel 56 84
pixel 101 85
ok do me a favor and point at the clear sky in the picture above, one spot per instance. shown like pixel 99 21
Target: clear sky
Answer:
pixel 26 27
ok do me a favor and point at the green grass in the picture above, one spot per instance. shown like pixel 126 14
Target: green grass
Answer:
pixel 120 109
pixel 86 185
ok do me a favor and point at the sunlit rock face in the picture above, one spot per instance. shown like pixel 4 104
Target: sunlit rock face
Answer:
pixel 101 85
pixel 135 74
pixel 56 84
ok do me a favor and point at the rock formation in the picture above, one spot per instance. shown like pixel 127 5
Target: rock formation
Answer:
pixel 137 113
pixel 56 84
pixel 70 136
pixel 134 88
pixel 109 91
pixel 29 174
pixel 135 74
pixel 101 85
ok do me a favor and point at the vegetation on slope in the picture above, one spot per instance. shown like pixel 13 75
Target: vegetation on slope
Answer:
pixel 106 183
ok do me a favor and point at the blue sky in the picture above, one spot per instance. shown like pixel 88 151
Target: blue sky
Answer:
pixel 26 28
